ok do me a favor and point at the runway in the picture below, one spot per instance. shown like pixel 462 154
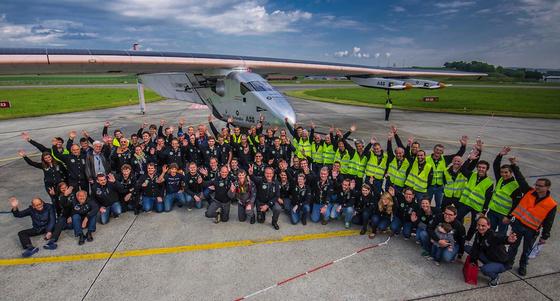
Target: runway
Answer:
pixel 394 272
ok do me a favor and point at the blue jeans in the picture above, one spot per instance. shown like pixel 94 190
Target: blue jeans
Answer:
pixel 171 198
pixel 288 205
pixel 528 236
pixel 115 209
pixel 381 223
pixel 190 201
pixel 348 212
pixel 148 203
pixel 436 193
pixel 296 216
pixel 424 238
pixel 444 254
pixel 77 224
pixel 496 222
pixel 316 212
pixel 397 225
pixel 490 268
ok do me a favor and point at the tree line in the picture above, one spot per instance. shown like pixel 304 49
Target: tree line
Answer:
pixel 475 66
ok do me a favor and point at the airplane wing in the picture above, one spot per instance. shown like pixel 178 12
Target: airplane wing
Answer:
pixel 74 61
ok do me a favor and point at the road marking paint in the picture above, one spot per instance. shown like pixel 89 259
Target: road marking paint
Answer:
pixel 176 249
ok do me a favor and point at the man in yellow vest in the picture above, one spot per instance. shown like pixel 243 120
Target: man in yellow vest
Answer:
pixel 419 174
pixel 454 182
pixel 300 140
pixel 398 165
pixel 359 158
pixel 376 166
pixel 342 154
pixel 505 194
pixel 328 150
pixel 477 192
pixel 317 156
pixel 533 215
pixel 388 107
pixel 440 163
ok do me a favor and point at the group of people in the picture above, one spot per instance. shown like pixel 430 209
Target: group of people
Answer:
pixel 299 172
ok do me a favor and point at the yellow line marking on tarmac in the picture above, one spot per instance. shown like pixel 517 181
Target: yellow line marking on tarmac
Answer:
pixel 176 249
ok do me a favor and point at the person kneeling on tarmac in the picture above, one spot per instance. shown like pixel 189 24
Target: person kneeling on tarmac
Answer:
pixel 244 193
pixel 220 205
pixel 268 194
pixel 84 214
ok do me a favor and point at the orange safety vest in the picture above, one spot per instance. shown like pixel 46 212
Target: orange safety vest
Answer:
pixel 530 214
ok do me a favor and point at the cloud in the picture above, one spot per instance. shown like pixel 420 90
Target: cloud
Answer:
pixel 236 17
pixel 354 52
pixel 398 9
pixel 342 53
pixel 48 32
pixel 455 4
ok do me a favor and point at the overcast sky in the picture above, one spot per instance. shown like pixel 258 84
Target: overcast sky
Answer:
pixel 523 33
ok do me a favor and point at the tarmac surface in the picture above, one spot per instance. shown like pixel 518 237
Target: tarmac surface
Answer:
pixel 183 255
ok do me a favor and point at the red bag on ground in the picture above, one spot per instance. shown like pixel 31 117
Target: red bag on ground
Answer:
pixel 470 271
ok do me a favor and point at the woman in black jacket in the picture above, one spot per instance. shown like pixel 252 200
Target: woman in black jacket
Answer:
pixel 490 249
pixel 53 173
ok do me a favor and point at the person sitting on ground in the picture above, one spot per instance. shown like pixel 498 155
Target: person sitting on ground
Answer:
pixel 383 215
pixel 106 192
pixel 43 220
pixel 440 251
pixel 62 199
pixel 300 206
pixel 220 205
pixel 490 249
pixel 84 215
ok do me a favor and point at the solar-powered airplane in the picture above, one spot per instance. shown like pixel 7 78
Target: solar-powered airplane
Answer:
pixel 231 86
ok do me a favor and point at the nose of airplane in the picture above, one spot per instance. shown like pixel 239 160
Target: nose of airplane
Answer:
pixel 280 108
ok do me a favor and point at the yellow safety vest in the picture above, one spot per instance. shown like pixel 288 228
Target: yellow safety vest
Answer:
pixel 376 169
pixel 317 153
pixel 474 194
pixel 454 188
pixel 358 165
pixel 501 198
pixel 418 180
pixel 344 162
pixel 438 170
pixel 302 145
pixel 328 154
pixel 397 175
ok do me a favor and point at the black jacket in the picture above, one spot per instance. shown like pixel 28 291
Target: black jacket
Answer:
pixel 221 188
pixel 108 194
pixel 43 220
pixel 491 245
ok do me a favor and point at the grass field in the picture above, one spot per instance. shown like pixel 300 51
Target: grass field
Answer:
pixel 46 101
pixel 24 80
pixel 484 101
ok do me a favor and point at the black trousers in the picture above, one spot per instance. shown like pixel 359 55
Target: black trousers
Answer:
pixel 387 112
pixel 61 224
pixel 213 210
pixel 24 236
pixel 276 210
